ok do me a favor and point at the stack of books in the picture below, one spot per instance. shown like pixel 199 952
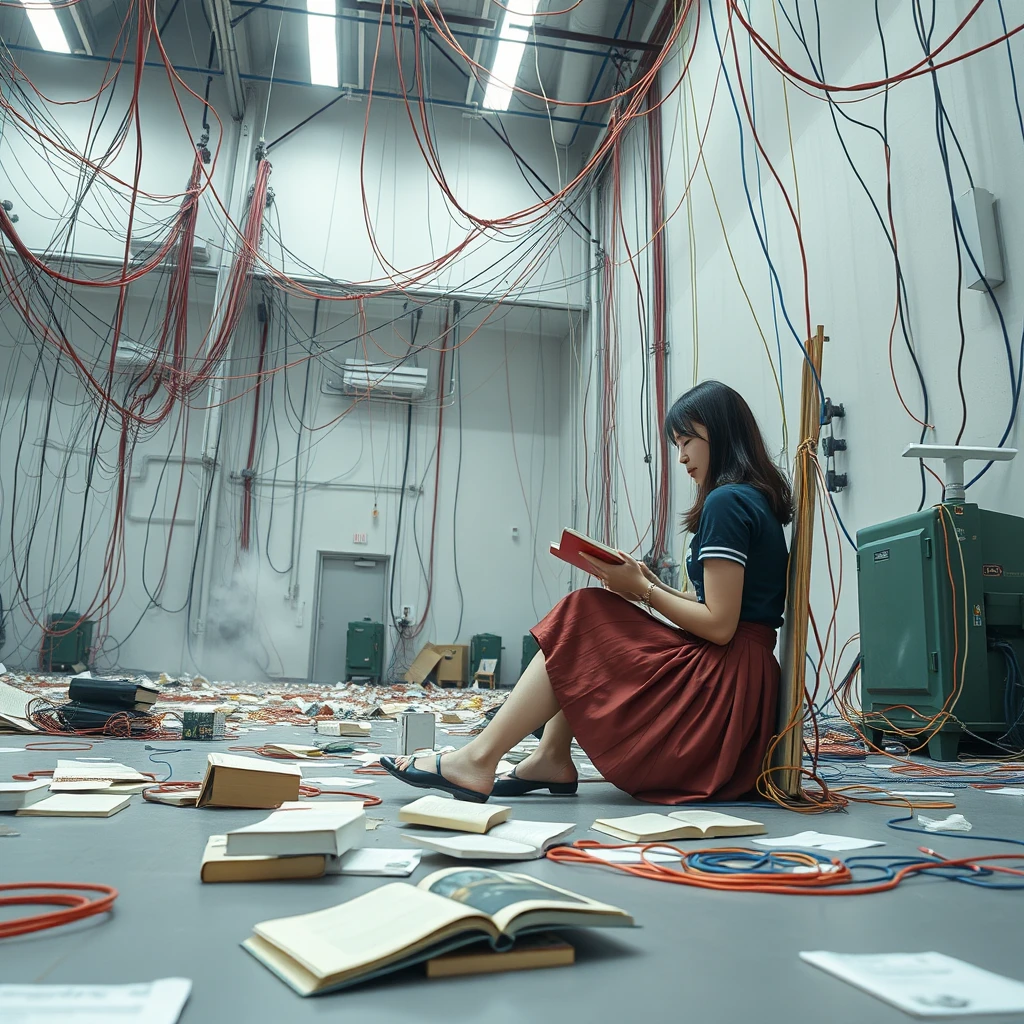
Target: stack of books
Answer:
pixel 301 840
pixel 93 702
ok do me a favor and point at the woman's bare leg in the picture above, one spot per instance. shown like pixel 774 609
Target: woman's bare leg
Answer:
pixel 552 760
pixel 529 705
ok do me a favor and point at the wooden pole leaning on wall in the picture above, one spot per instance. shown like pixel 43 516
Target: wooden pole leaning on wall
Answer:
pixel 785 755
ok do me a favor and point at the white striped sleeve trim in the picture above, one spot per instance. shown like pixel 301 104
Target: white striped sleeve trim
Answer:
pixel 730 554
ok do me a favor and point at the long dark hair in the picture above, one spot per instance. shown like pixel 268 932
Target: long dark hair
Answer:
pixel 738 452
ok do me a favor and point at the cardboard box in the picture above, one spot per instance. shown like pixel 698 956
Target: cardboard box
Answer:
pixel 454 664
pixel 443 664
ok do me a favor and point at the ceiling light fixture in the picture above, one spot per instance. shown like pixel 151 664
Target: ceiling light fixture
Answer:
pixel 323 45
pixel 46 26
pixel 515 29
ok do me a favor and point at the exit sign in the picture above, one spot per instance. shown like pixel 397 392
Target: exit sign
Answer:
pixel 358 538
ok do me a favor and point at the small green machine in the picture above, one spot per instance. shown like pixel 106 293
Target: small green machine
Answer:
pixel 484 645
pixel 67 642
pixel 941 596
pixel 364 650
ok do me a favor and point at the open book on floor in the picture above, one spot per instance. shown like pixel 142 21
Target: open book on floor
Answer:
pixel 513 840
pixel 695 824
pixel 574 544
pixel 543 949
pixel 398 925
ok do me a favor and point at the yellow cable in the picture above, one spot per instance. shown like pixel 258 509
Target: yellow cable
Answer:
pixel 789 126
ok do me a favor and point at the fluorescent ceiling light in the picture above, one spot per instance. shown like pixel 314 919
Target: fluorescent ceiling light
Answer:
pixel 323 46
pixel 46 26
pixel 515 29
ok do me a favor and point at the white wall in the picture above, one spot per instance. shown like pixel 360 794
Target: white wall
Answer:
pixel 514 375
pixel 712 331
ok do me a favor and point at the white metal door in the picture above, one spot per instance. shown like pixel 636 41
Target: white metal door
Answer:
pixel 351 588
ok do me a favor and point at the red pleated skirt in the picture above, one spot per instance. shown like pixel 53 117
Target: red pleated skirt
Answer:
pixel 665 716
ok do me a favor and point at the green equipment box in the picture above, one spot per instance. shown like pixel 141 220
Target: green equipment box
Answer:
pixel 484 645
pixel 364 650
pixel 941 595
pixel 67 643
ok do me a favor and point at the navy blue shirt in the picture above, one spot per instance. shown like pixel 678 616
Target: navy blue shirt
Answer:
pixel 738 524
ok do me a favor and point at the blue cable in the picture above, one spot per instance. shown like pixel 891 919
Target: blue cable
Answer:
pixel 760 202
pixel 750 207
pixel 761 237
pixel 165 750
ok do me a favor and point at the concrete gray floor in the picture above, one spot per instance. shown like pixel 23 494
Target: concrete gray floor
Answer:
pixel 698 955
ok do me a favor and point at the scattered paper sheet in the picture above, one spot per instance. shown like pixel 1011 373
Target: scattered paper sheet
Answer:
pixel 820 841
pixel 391 863
pixel 1007 791
pixel 953 823
pixel 12 750
pixel 924 792
pixel 158 1002
pixel 924 984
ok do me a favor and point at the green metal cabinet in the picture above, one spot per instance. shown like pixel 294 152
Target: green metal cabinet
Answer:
pixel 935 588
pixel 530 649
pixel 364 650
pixel 484 645
pixel 67 642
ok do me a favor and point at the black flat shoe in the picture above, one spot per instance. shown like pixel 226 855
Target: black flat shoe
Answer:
pixel 512 785
pixel 414 776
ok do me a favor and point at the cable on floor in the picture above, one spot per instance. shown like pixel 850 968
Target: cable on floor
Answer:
pixel 67 894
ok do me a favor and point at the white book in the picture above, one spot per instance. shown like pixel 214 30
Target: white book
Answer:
pixel 924 984
pixel 95 772
pixel 15 795
pixel 302 828
pixel 512 840
pixel 454 815
pixel 375 861
pixel 689 824
pixel 77 805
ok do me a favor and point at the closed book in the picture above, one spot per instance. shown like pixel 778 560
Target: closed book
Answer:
pixel 544 949
pixel 122 693
pixel 77 805
pixel 456 815
pixel 398 925
pixel 329 727
pixel 654 828
pixel 235 781
pixel 15 795
pixel 77 717
pixel 330 829
pixel 217 866
pixel 574 544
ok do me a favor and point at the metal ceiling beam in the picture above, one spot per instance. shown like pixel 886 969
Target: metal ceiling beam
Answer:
pixel 224 34
pixel 399 10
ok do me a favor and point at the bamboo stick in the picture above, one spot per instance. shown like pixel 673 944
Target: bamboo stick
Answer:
pixel 786 753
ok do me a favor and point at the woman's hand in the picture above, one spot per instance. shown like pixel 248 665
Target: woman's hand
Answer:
pixel 650 575
pixel 627 580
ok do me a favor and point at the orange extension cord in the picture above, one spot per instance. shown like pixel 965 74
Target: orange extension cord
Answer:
pixel 78 905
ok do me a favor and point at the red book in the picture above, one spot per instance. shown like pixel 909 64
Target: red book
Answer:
pixel 573 544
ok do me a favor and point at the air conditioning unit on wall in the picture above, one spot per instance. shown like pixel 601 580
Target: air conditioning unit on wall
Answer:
pixel 380 380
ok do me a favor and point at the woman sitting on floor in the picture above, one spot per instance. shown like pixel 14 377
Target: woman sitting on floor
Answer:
pixel 667 714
